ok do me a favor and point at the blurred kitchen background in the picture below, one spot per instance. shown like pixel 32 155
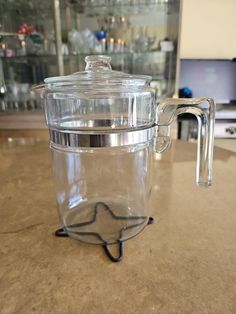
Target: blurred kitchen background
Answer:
pixel 188 47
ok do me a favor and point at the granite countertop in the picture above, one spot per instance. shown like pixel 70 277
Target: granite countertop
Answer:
pixel 184 263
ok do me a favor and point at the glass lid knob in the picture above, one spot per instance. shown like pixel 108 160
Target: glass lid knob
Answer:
pixel 98 63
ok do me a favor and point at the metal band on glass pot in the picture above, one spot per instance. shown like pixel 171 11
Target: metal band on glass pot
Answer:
pixel 86 139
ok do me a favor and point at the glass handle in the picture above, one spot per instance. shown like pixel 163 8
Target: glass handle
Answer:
pixel 162 138
pixel 204 110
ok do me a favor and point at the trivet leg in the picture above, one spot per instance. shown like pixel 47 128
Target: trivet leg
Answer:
pixel 61 233
pixel 109 254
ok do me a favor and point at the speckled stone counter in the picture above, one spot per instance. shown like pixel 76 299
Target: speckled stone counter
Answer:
pixel 184 263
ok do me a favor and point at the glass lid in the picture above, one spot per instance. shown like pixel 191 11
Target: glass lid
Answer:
pixel 98 73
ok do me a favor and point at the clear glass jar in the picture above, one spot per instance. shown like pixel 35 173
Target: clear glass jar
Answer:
pixel 104 126
pixel 103 193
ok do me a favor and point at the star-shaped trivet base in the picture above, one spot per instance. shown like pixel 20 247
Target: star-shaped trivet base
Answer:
pixel 118 228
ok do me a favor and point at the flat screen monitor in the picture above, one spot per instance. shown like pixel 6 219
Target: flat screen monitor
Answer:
pixel 213 78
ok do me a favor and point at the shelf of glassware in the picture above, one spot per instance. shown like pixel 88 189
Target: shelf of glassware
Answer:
pixel 29 68
pixel 155 63
pixel 33 60
pixel 158 64
pixel 147 62
pixel 156 53
pixel 127 7
pixel 20 74
pixel 25 58
pixel 19 96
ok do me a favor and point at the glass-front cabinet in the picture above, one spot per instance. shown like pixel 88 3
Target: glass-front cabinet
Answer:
pixel 48 38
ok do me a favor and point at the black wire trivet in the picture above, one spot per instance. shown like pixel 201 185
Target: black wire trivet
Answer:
pixel 63 233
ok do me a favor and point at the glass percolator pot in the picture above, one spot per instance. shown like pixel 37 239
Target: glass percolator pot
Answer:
pixel 104 126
